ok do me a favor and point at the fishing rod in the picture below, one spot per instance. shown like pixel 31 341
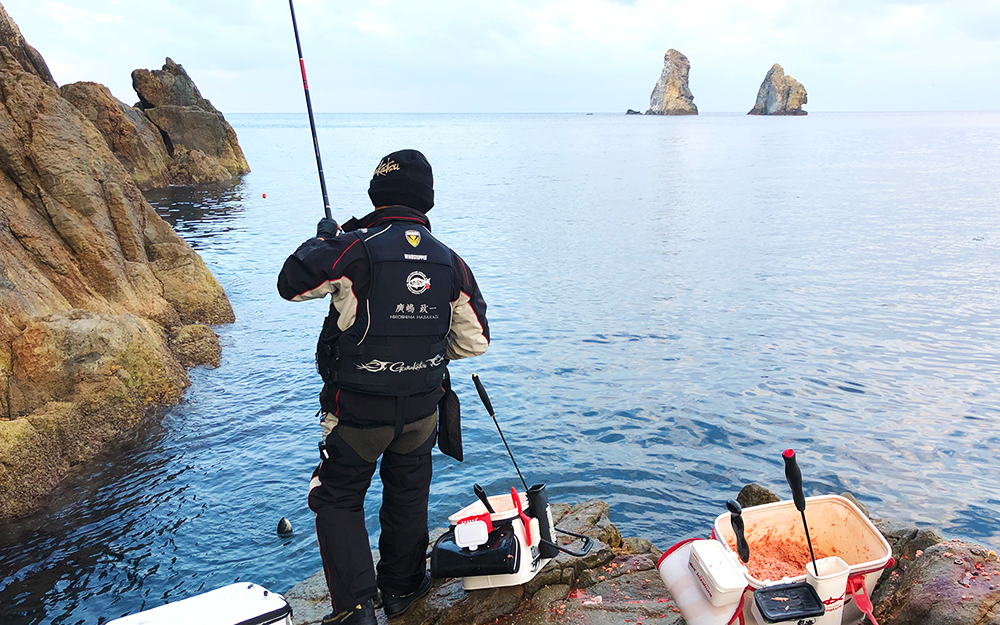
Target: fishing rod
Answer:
pixel 309 108
pixel 537 499
pixel 489 408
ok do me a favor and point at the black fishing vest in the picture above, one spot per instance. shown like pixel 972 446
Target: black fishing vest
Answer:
pixel 396 346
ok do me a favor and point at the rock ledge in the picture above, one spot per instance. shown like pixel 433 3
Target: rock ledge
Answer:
pixel 618 584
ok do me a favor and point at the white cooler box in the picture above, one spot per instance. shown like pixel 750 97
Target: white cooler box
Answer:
pixel 837 528
pixel 242 603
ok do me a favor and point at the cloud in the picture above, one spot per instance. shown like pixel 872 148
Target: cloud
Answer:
pixel 76 16
pixel 531 55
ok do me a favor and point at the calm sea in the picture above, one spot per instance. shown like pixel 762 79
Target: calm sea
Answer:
pixel 673 302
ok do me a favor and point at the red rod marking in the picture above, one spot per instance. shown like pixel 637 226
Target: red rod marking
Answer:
pixel 305 82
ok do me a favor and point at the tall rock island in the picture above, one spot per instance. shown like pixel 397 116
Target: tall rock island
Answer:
pixel 102 305
pixel 671 95
pixel 779 94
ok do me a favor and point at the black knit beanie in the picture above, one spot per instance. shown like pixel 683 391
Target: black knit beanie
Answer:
pixel 405 178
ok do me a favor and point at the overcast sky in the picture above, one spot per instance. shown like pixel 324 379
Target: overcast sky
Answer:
pixel 530 55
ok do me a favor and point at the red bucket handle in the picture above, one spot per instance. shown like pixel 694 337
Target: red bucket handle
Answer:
pixel 856 586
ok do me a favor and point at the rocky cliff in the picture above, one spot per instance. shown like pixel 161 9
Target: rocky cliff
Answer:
pixel 671 95
pixel 100 300
pixel 779 94
pixel 172 136
pixel 29 58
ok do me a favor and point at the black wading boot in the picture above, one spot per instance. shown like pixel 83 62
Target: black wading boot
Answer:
pixel 396 605
pixel 363 614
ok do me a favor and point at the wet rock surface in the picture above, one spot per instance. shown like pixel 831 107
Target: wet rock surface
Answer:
pixel 935 581
pixel 196 344
pixel 93 285
pixel 671 95
pixel 779 94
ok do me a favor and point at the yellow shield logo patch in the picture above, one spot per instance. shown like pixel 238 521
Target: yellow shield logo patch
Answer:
pixel 413 237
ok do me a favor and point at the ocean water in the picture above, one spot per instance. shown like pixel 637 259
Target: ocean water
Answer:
pixel 673 302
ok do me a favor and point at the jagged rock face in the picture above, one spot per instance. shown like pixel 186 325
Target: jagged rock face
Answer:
pixel 170 86
pixel 671 95
pixel 29 58
pixel 173 103
pixel 130 136
pixel 173 136
pixel 90 278
pixel 779 94
pixel 193 129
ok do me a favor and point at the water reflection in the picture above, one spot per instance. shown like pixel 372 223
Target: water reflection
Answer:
pixel 203 212
pixel 89 541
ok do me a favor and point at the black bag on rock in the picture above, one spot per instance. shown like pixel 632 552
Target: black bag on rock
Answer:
pixel 449 421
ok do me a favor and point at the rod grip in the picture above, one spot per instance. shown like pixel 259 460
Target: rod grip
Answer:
pixel 476 488
pixel 794 477
pixel 482 394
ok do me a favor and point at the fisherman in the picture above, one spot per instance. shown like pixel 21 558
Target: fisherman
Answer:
pixel 403 305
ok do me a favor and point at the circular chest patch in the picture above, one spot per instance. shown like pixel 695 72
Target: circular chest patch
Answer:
pixel 417 282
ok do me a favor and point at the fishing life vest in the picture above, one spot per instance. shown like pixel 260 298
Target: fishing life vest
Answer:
pixel 396 346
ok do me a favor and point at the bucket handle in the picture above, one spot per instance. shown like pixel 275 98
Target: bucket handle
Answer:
pixel 587 544
pixel 856 586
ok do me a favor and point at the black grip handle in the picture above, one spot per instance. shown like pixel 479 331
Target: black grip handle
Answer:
pixel 482 394
pixel 736 518
pixel 794 477
pixel 587 544
pixel 483 498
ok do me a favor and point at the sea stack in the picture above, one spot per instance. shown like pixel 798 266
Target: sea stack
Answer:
pixel 779 94
pixel 671 95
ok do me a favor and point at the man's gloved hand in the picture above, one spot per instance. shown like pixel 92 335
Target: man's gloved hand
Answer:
pixel 327 228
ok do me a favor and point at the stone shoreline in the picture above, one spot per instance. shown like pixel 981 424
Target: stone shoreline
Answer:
pixel 933 581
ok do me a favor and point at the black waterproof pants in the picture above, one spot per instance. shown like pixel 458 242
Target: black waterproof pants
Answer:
pixel 337 495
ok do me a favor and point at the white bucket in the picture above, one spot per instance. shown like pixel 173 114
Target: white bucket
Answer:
pixel 688 594
pixel 531 561
pixel 837 528
pixel 831 586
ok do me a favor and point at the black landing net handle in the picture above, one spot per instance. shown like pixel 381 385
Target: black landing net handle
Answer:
pixel 536 492
pixel 309 108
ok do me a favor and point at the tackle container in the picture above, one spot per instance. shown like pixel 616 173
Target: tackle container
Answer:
pixel 242 603
pixel 837 528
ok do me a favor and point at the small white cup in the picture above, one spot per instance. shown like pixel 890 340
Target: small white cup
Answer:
pixel 831 586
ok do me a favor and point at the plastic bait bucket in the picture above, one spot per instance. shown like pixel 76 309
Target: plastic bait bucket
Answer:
pixel 837 528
